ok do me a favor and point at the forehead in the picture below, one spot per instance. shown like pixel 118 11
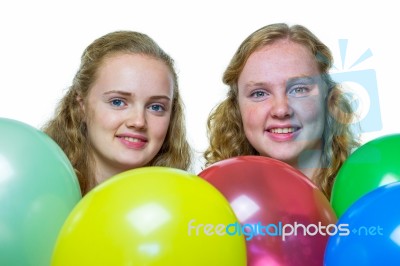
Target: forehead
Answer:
pixel 283 58
pixel 132 65
pixel 283 50
pixel 132 59
pixel 133 72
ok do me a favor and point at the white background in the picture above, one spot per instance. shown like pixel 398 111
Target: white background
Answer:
pixel 42 41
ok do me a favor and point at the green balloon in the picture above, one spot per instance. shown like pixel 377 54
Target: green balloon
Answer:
pixel 38 190
pixel 372 165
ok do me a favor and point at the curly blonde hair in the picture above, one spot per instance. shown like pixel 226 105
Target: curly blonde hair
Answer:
pixel 68 128
pixel 225 128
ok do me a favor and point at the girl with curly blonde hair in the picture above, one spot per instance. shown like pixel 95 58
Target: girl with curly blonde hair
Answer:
pixel 123 110
pixel 282 103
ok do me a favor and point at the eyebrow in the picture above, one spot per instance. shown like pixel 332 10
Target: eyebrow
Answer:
pixel 254 84
pixel 118 92
pixel 125 93
pixel 303 80
pixel 157 97
pixel 306 80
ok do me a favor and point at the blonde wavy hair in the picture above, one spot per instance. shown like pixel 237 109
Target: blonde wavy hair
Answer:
pixel 68 128
pixel 225 129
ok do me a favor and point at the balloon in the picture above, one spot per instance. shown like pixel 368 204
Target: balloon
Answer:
pixel 280 211
pixel 150 216
pixel 373 230
pixel 38 189
pixel 372 165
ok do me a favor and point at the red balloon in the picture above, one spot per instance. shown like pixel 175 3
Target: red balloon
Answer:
pixel 286 219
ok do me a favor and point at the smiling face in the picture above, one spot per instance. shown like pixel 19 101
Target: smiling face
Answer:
pixel 282 103
pixel 128 111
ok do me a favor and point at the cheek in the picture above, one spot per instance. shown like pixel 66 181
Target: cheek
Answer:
pixel 252 116
pixel 159 127
pixel 98 118
pixel 309 109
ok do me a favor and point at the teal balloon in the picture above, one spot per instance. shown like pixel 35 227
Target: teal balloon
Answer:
pixel 374 164
pixel 38 190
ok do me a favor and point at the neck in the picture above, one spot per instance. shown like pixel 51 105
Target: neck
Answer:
pixel 103 172
pixel 309 163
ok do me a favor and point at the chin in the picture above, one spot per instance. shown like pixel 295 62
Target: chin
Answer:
pixel 291 160
pixel 131 165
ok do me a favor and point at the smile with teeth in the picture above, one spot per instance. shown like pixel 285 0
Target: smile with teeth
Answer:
pixel 130 139
pixel 284 130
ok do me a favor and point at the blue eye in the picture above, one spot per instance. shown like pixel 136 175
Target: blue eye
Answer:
pixel 157 108
pixel 258 94
pixel 299 91
pixel 117 103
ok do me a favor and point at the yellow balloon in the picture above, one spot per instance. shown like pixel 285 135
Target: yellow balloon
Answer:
pixel 151 216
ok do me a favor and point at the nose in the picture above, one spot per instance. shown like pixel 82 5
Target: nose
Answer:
pixel 281 108
pixel 136 119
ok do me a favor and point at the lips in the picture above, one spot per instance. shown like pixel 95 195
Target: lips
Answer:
pixel 283 133
pixel 283 130
pixel 132 139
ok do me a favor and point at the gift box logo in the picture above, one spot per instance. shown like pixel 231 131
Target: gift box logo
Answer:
pixel 361 88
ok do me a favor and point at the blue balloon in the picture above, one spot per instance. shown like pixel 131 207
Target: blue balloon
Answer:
pixel 369 231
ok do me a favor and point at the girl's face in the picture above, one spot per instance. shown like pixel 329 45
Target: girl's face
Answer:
pixel 128 111
pixel 282 103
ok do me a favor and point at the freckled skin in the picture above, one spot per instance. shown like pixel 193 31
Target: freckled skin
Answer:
pixel 270 96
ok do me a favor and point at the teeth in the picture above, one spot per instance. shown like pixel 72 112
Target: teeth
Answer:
pixel 132 139
pixel 283 130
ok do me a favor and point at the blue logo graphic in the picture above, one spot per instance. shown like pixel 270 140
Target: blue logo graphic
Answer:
pixel 361 88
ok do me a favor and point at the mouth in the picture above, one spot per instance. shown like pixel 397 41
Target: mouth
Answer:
pixel 136 142
pixel 283 130
pixel 133 140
